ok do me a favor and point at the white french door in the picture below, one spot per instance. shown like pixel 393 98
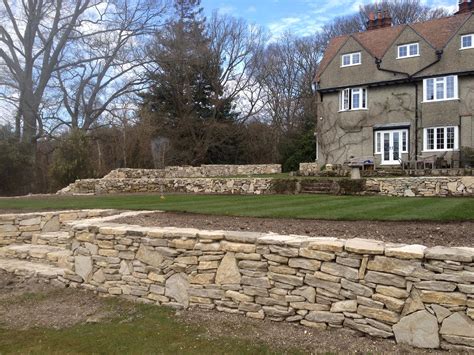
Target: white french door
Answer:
pixel 391 145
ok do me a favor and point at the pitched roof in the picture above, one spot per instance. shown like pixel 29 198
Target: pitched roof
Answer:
pixel 436 32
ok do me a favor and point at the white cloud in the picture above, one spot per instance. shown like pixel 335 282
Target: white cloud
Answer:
pixel 252 9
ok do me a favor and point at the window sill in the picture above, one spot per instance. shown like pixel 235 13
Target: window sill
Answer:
pixel 463 49
pixel 408 57
pixel 352 110
pixel 440 150
pixel 350 65
pixel 443 100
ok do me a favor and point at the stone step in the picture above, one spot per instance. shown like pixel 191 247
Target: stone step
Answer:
pixel 31 269
pixel 61 239
pixel 46 254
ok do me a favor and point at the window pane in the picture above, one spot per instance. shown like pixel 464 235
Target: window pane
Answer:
pixel 440 138
pixel 467 41
pixel 356 58
pixel 439 90
pixel 364 98
pixel 356 98
pixel 346 99
pixel 378 142
pixel 414 49
pixel 450 138
pixel 396 145
pixel 346 60
pixel 430 138
pixel 404 141
pixel 402 51
pixel 430 89
pixel 450 87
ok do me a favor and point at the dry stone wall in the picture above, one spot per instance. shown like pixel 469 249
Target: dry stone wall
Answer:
pixel 419 296
pixel 422 186
pixel 21 228
pixel 250 186
pixel 193 172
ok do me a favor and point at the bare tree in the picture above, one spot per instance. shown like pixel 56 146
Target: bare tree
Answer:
pixel 40 40
pixel 236 45
pixel 286 71
pixel 113 65
pixel 401 11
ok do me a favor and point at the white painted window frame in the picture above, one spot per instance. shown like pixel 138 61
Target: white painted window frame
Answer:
pixel 407 46
pixel 436 80
pixel 435 139
pixel 351 59
pixel 363 92
pixel 472 41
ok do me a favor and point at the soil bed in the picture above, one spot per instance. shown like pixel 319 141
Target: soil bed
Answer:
pixel 425 233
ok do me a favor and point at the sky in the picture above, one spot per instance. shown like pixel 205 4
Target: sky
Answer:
pixel 301 17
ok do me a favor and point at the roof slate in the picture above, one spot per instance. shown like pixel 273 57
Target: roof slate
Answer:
pixel 437 32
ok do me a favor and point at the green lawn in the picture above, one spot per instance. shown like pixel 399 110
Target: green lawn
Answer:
pixel 291 206
pixel 152 330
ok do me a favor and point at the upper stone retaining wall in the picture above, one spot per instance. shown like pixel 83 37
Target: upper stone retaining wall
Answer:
pixel 202 171
pixel 20 228
pixel 422 186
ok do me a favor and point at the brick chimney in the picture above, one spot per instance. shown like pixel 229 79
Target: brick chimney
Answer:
pixel 383 20
pixel 465 6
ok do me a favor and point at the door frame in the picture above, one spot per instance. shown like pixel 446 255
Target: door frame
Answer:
pixel 379 144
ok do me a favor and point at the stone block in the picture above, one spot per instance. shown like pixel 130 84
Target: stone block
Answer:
pixel 344 306
pixel 445 253
pixel 286 279
pixel 364 246
pixel 385 279
pixel 327 244
pixel 382 315
pixel 228 271
pixel 413 251
pixel 340 270
pixel 302 263
pixel 447 298
pixel 392 291
pixel 458 324
pixel 418 329
pixel 325 317
pixel 316 254
pixel 237 247
pixel 357 288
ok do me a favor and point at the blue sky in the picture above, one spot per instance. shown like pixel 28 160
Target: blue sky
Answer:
pixel 302 17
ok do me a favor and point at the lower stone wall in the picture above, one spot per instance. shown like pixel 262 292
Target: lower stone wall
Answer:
pixel 250 186
pixel 422 186
pixel 420 296
pixel 20 228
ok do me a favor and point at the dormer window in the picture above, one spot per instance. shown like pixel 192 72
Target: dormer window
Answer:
pixel 351 59
pixel 408 50
pixel 467 41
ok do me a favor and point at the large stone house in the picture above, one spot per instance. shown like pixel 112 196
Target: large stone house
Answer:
pixel 399 93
